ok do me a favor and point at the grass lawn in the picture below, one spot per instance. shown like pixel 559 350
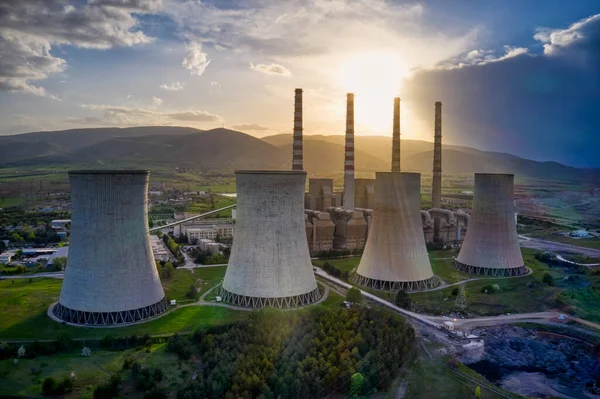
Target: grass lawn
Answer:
pixel 178 285
pixel 593 242
pixel 5 202
pixel 342 264
pixel 89 371
pixel 208 277
pixel 517 295
pixel 430 378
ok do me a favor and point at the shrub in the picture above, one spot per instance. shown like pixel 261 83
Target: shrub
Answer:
pixel 454 292
pixel 354 295
pixel 127 363
pixel 180 345
pixel 48 386
pixel 192 293
pixel 403 300
pixel 156 393
pixel 548 279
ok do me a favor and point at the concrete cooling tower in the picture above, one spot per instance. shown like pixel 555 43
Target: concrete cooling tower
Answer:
pixel 270 263
pixel 491 246
pixel 395 257
pixel 111 276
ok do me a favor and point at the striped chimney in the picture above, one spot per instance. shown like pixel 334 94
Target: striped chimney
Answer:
pixel 297 146
pixel 436 183
pixel 396 137
pixel 348 201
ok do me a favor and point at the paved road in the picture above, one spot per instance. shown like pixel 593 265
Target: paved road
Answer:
pixel 575 263
pixel 36 275
pixel 552 246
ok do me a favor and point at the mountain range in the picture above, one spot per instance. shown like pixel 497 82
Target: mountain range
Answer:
pixel 227 150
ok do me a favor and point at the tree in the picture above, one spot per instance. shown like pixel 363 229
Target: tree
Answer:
pixel 60 262
pixel 48 386
pixel 21 351
pixel 403 300
pixel 548 279
pixel 356 383
pixel 167 270
pixel 16 237
pixel 354 295
pixel 31 236
pixel 461 298
pixel 478 391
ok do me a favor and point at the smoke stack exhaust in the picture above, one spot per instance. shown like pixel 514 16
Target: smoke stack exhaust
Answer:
pixel 297 158
pixel 348 201
pixel 436 183
pixel 396 137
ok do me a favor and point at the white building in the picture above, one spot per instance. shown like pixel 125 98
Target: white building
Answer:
pixel 59 223
pixel 210 232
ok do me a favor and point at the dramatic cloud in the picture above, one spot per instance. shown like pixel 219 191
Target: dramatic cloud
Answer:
pixel 482 57
pixel 29 28
pixel 126 116
pixel 175 86
pixel 541 106
pixel 309 31
pixel 196 61
pixel 250 126
pixel 271 69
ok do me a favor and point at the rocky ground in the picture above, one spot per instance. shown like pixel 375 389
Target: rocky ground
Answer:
pixel 535 364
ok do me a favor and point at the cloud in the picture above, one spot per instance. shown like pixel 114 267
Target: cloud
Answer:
pixel 195 116
pixel 126 116
pixel 249 126
pixel 196 61
pixel 540 106
pixel 271 69
pixel 156 102
pixel 175 86
pixel 482 57
pixel 297 30
pixel 29 29
pixel 556 39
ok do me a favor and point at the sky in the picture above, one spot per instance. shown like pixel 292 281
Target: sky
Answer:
pixel 518 76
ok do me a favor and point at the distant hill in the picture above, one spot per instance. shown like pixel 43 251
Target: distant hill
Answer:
pixel 227 150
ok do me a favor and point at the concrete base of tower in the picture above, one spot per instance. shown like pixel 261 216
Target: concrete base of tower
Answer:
pixel 282 302
pixel 108 319
pixel 394 286
pixel 491 271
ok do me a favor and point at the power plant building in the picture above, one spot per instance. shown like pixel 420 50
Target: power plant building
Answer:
pixel 364 193
pixel 395 256
pixel 491 246
pixel 111 275
pixel 270 262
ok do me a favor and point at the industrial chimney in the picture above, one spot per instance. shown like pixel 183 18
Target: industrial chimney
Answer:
pixel 348 201
pixel 436 182
pixel 111 276
pixel 270 262
pixel 297 158
pixel 491 246
pixel 396 137
pixel 395 256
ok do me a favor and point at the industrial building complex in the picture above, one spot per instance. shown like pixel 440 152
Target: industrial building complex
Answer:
pixel 111 280
pixel 111 276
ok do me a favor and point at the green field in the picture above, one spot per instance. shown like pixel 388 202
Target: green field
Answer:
pixel 90 371
pixel 9 201
pixel 592 242
pixel 178 285
pixel 342 264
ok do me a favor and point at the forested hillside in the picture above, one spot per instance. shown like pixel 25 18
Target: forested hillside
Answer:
pixel 307 354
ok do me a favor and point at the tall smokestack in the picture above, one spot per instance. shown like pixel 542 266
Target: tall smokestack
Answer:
pixel 348 201
pixel 436 183
pixel 297 146
pixel 396 137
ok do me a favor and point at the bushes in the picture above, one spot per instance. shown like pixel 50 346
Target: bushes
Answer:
pixel 489 289
pixel 403 300
pixel 548 279
pixel 50 387
pixel 181 345
pixel 110 389
pixel 335 272
pixel 354 295
pixel 192 293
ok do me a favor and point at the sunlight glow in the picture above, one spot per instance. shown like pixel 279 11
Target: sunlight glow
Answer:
pixel 375 78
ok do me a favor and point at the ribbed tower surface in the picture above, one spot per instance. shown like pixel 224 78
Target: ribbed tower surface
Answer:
pixel 395 255
pixel 270 263
pixel 111 276
pixel 491 245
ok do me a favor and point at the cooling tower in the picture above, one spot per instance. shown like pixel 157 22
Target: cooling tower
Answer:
pixel 348 201
pixel 491 245
pixel 396 136
pixel 436 182
pixel 270 263
pixel 395 257
pixel 111 276
pixel 297 146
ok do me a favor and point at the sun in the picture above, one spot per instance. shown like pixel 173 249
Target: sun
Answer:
pixel 375 77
